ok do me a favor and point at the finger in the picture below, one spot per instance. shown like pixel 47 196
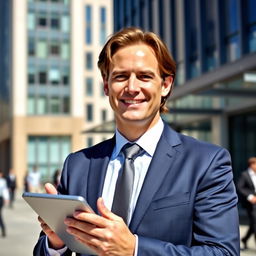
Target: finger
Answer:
pixel 105 212
pixel 50 189
pixel 85 227
pixel 91 241
pixel 90 218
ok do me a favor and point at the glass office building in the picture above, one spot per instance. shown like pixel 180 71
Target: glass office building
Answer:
pixel 214 45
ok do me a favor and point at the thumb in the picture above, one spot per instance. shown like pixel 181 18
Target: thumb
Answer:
pixel 105 212
pixel 50 189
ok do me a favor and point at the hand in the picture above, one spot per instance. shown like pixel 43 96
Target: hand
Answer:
pixel 106 234
pixel 54 241
pixel 253 200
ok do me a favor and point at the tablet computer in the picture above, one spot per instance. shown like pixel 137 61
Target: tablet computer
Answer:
pixel 53 209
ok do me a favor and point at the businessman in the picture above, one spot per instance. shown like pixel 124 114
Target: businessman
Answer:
pixel 247 188
pixel 156 192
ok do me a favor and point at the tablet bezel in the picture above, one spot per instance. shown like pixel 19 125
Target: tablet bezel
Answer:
pixel 53 209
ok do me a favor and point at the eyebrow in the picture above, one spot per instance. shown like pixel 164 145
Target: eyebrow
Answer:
pixel 142 72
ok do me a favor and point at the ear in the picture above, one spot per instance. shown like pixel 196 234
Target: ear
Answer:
pixel 105 86
pixel 167 85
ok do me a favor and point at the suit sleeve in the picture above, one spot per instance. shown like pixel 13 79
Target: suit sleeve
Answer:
pixel 215 220
pixel 40 248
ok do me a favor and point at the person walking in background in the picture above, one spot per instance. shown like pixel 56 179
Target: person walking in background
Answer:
pixel 26 183
pixel 247 189
pixel 34 181
pixel 4 198
pixel 11 184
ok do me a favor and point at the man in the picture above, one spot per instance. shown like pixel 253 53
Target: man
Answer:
pixel 4 198
pixel 183 199
pixel 11 184
pixel 247 188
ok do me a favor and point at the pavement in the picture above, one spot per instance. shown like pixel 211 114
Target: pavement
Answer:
pixel 23 230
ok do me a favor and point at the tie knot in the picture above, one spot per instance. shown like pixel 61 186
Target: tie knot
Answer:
pixel 131 151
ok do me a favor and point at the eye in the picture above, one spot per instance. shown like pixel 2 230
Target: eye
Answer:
pixel 145 77
pixel 120 77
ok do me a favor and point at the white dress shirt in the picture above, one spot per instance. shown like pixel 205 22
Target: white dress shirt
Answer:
pixel 148 141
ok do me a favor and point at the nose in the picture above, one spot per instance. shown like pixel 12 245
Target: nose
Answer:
pixel 133 84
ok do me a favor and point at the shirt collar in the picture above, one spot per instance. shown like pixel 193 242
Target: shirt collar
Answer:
pixel 148 141
pixel 251 172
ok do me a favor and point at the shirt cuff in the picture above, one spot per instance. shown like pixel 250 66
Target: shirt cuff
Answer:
pixel 136 245
pixel 53 252
pixel 250 197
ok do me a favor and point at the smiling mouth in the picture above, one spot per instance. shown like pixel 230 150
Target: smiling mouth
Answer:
pixel 132 101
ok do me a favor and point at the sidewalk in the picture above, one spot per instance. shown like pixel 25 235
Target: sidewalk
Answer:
pixel 23 230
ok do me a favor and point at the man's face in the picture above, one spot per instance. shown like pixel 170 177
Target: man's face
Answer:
pixel 135 87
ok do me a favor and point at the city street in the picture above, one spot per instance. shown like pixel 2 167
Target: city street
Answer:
pixel 23 229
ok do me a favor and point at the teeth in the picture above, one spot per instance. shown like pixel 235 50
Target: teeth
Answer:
pixel 132 101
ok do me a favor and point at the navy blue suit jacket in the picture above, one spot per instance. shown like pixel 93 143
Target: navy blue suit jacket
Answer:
pixel 187 205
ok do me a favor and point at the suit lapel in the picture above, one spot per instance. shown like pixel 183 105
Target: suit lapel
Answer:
pixel 98 167
pixel 160 165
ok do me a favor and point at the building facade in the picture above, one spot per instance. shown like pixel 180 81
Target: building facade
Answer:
pixel 214 45
pixel 50 88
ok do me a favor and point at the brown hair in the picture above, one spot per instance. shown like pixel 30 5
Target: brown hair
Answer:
pixel 131 36
pixel 251 160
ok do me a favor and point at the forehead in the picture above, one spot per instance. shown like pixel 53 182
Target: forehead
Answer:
pixel 135 54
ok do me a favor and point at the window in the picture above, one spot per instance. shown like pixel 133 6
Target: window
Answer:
pixel 89 86
pixel 209 33
pixel 54 49
pixel 252 39
pixel 41 105
pixel 31 75
pixel 41 49
pixel 31 105
pixel 54 76
pixel 103 32
pixel 47 153
pixel 88 61
pixel 55 23
pixel 194 64
pixel 54 105
pixel 65 24
pixel 31 47
pixel 66 105
pixel 65 77
pixel 251 24
pixel 89 141
pixel 232 48
pixel 231 30
pixel 42 20
pixel 31 21
pixel 89 112
pixel 65 50
pixel 104 115
pixel 42 77
pixel 88 24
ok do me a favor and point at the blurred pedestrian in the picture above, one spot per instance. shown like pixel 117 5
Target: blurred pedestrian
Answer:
pixel 4 198
pixel 26 183
pixel 11 184
pixel 247 189
pixel 34 180
pixel 56 177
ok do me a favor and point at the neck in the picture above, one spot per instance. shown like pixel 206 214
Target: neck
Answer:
pixel 133 130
